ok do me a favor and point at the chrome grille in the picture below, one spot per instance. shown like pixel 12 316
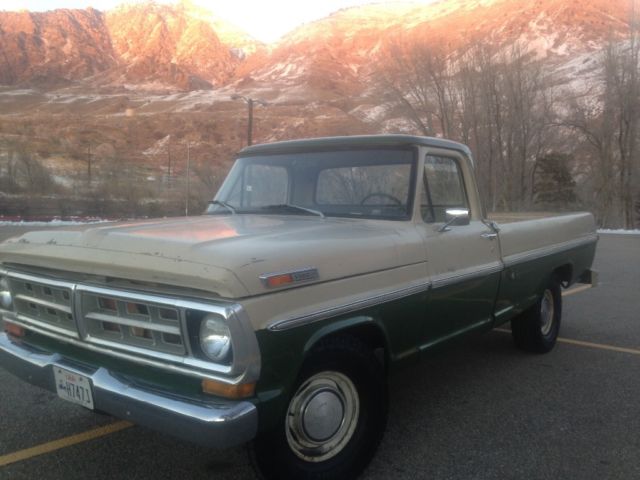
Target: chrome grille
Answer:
pixel 148 325
pixel 46 304
pixel 148 329
pixel 136 323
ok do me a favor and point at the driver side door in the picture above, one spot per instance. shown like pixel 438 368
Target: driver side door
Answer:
pixel 463 259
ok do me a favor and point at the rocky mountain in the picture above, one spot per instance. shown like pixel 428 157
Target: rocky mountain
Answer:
pixel 161 43
pixel 53 47
pixel 187 47
pixel 341 51
pixel 178 46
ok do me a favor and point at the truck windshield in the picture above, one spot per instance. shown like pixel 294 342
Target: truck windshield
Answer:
pixel 352 183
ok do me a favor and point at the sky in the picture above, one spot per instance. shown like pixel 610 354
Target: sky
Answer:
pixel 266 20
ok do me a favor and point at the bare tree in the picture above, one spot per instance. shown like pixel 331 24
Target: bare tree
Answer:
pixel 611 128
pixel 420 80
pixel 495 101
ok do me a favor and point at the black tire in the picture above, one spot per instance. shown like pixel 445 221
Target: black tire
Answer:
pixel 536 330
pixel 340 369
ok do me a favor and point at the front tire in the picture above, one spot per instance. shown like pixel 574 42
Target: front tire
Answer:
pixel 335 418
pixel 536 330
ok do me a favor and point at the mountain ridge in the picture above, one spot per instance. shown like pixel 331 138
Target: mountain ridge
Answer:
pixel 185 47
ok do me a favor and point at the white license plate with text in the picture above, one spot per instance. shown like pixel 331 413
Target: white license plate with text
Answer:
pixel 73 387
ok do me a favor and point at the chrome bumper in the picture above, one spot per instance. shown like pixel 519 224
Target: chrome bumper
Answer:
pixel 216 423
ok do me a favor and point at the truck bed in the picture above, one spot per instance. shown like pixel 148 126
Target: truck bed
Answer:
pixel 511 217
pixel 529 236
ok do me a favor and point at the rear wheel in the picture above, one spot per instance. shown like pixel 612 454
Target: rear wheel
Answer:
pixel 536 329
pixel 335 418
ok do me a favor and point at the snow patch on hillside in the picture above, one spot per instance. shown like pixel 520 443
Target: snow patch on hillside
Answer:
pixel 369 113
pixel 398 125
pixel 19 92
pixel 160 147
pixel 289 70
pixel 67 98
pixel 619 232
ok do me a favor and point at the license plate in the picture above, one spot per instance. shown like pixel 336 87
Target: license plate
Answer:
pixel 73 387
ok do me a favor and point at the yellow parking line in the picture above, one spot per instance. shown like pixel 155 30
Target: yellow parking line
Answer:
pixel 601 346
pixel 63 443
pixel 573 290
pixel 580 343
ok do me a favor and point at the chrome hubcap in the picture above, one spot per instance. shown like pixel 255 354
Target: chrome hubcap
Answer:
pixel 322 416
pixel 546 312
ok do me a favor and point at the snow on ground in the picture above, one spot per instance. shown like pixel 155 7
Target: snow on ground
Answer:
pixel 160 147
pixel 619 232
pixel 18 92
pixel 50 223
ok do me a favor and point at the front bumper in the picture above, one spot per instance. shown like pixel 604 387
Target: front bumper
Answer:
pixel 216 423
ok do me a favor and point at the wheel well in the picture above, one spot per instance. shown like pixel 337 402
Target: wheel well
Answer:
pixel 370 335
pixel 564 274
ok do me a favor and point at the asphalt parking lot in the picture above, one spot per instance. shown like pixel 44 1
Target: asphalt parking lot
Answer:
pixel 482 410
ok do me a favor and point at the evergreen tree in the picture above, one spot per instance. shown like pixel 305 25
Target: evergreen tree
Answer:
pixel 554 187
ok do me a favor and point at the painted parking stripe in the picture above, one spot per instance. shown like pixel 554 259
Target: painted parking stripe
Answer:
pixel 574 290
pixel 580 343
pixel 63 443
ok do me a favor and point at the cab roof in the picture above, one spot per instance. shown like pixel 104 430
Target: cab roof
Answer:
pixel 327 143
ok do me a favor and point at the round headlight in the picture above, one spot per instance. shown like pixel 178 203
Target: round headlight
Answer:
pixel 6 301
pixel 215 338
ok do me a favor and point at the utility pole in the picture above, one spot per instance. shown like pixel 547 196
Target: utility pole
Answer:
pixel 250 125
pixel 250 103
pixel 89 164
pixel 169 162
pixel 186 204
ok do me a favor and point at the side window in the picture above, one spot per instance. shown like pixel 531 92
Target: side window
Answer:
pixel 443 188
pixel 261 185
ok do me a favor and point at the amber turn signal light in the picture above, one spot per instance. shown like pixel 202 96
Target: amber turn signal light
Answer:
pixel 13 329
pixel 242 390
pixel 279 280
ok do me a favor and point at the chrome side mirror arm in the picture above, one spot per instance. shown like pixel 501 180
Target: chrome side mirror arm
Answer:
pixel 455 216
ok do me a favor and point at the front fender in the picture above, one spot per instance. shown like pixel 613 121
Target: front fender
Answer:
pixel 283 353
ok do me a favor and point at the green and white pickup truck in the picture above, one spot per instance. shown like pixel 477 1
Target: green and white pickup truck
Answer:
pixel 273 318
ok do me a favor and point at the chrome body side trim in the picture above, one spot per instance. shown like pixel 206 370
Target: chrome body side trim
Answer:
pixel 214 423
pixel 437 282
pixel 479 324
pixel 445 280
pixel 288 323
pixel 499 313
pixel 518 258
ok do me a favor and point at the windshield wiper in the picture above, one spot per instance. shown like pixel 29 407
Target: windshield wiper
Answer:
pixel 223 204
pixel 290 206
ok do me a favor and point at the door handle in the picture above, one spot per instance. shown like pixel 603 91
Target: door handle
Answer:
pixel 489 235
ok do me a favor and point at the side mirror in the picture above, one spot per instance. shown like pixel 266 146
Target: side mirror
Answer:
pixel 455 217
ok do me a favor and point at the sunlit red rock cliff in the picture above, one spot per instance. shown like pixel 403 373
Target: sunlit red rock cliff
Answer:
pixel 188 48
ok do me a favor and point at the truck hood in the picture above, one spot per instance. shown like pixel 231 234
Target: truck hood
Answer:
pixel 224 255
